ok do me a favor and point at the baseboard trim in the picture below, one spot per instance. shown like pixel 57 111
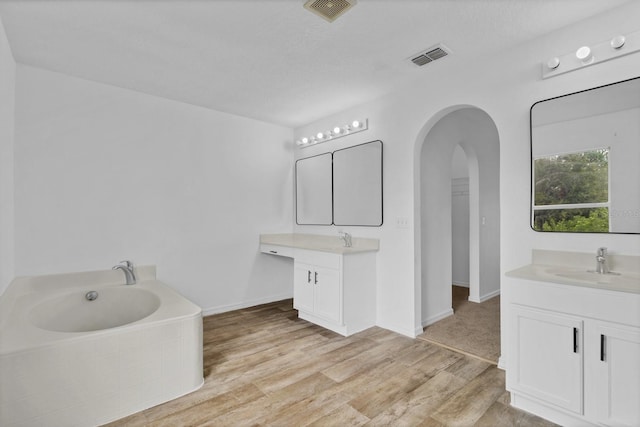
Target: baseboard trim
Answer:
pixel 399 329
pixel 502 364
pixel 490 295
pixel 439 316
pixel 245 304
pixel 548 412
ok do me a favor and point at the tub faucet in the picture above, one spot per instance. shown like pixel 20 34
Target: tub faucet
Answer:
pixel 601 259
pixel 346 237
pixel 127 269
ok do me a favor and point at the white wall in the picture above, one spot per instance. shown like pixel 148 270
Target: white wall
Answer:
pixel 7 92
pixel 505 86
pixel 103 174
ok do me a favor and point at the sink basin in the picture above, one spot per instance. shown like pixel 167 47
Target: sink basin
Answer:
pixel 596 278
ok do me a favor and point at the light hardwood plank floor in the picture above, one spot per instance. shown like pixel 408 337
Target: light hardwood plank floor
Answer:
pixel 264 366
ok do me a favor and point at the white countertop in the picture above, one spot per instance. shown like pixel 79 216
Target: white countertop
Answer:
pixel 622 282
pixel 316 242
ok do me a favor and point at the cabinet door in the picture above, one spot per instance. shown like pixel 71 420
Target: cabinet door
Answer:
pixel 328 295
pixel 547 356
pixel 616 371
pixel 303 287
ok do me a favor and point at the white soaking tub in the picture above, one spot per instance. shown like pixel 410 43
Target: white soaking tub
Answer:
pixel 69 361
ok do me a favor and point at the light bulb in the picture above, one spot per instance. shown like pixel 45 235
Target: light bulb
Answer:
pixel 618 41
pixel 355 124
pixel 553 63
pixel 320 135
pixel 305 140
pixel 584 55
pixel 337 130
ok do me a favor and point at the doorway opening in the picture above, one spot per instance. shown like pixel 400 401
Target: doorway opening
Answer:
pixel 454 245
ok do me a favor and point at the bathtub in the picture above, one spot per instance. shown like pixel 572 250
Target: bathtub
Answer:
pixel 69 361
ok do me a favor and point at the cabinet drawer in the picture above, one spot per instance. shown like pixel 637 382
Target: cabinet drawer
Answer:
pixel 320 259
pixel 276 250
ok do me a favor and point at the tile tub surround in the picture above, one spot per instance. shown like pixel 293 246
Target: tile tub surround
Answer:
pixel 90 378
pixel 572 268
pixel 316 242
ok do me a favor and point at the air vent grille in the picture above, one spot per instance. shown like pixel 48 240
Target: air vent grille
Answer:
pixel 436 53
pixel 429 56
pixel 421 60
pixel 329 9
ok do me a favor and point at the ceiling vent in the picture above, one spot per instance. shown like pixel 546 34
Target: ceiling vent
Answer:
pixel 329 9
pixel 430 55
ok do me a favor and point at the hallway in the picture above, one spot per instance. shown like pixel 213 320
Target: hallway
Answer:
pixel 474 328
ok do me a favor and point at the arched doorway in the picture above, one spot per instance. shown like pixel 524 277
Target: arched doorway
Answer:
pixel 475 132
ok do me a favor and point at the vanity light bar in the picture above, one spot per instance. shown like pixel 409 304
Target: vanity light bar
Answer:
pixel 584 56
pixel 337 132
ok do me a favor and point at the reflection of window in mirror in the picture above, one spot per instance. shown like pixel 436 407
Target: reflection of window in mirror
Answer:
pixel 571 191
pixel 571 129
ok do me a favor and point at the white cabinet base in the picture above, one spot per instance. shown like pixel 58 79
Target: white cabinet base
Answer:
pixel 549 413
pixel 334 290
pixel 340 329
pixel 585 378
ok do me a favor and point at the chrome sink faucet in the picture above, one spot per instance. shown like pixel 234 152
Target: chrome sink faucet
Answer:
pixel 601 258
pixel 127 269
pixel 346 237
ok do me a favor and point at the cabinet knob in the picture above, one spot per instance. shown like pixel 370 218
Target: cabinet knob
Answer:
pixel 308 276
pixel 316 277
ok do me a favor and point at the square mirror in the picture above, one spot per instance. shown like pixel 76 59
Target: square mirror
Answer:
pixel 313 190
pixel 585 153
pixel 357 185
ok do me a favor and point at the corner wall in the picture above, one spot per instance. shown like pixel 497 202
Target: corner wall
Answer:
pixel 7 117
pixel 104 174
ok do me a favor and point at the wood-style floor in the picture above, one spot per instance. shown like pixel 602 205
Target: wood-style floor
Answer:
pixel 264 366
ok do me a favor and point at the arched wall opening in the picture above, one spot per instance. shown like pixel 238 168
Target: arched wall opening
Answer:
pixel 475 132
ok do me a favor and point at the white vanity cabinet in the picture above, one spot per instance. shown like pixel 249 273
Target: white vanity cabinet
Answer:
pixel 316 291
pixel 574 353
pixel 335 291
pixel 333 286
pixel 547 356
pixel 614 373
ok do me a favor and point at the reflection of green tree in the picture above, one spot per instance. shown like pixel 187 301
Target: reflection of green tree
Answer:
pixel 594 220
pixel 572 178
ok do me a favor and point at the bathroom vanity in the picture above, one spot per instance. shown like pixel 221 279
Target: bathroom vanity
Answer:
pixel 333 286
pixel 574 339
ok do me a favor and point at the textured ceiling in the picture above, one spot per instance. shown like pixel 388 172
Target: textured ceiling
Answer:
pixel 270 59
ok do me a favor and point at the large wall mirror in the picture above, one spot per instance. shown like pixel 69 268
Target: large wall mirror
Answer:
pixel 313 190
pixel 341 188
pixel 357 185
pixel 585 150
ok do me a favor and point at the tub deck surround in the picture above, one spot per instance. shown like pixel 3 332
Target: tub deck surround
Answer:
pixel 58 378
pixel 577 269
pixel 333 286
pixel 315 242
